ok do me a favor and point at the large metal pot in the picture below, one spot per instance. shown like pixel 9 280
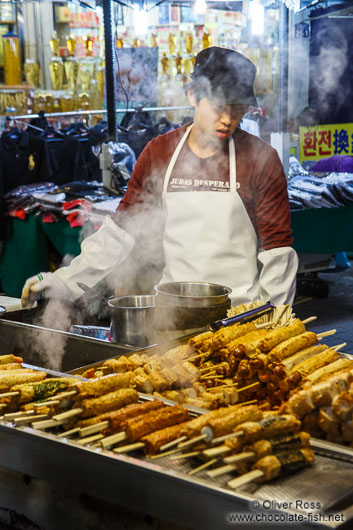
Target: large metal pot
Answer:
pixel 132 319
pixel 192 294
pixel 190 305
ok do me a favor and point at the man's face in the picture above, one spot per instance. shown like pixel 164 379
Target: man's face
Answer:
pixel 216 121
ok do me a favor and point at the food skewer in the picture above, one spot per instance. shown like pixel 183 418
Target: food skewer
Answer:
pixel 22 413
pixel 263 448
pixel 252 431
pixel 168 445
pixel 274 466
pixel 38 389
pixel 70 432
pixel 104 403
pixel 203 466
pixel 164 421
pixel 90 439
pixel 183 456
pixel 29 419
pixel 220 422
pixel 114 422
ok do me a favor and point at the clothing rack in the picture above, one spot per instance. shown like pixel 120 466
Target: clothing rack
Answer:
pixel 18 120
pixel 74 113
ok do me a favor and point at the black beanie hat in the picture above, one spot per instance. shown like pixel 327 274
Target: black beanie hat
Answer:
pixel 224 76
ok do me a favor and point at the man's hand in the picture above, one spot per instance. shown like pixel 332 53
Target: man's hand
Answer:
pixel 44 285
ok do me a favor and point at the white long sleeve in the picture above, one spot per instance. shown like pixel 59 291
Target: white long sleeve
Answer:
pixel 278 275
pixel 100 254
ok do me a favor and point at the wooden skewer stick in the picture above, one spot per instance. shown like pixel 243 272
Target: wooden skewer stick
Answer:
pixel 216 388
pixel 206 376
pixel 185 455
pixel 69 433
pixel 161 455
pixel 253 385
pixel 239 458
pixel 47 424
pixel 221 439
pixel 194 357
pixel 23 413
pixel 30 419
pixel 281 313
pixel 251 402
pixel 193 441
pixel 9 394
pixel 48 403
pixel 113 439
pixel 326 334
pixel 92 429
pixel 167 446
pixel 128 448
pixel 309 319
pixel 264 325
pixel 68 414
pixel 216 451
pixel 203 466
pixel 244 479
pixel 338 347
pixel 89 439
pixel 63 395
pixel 221 470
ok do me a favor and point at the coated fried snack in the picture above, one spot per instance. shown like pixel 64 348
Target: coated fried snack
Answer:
pixel 274 466
pixel 107 402
pixel 41 390
pixel 155 440
pixel 102 385
pixel 155 420
pixel 292 345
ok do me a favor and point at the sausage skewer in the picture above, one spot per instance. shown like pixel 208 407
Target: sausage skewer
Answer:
pixel 137 428
pixel 114 422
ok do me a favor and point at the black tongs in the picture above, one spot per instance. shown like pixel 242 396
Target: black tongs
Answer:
pixel 247 316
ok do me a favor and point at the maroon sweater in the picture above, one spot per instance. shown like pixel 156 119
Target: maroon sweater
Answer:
pixel 261 181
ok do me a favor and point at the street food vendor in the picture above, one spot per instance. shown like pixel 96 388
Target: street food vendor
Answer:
pixel 222 193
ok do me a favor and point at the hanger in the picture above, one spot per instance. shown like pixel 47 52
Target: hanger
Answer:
pixel 14 132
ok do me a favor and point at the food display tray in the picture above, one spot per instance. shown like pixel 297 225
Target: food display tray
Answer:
pixel 163 488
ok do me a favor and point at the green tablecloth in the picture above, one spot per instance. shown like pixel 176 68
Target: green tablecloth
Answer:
pixel 323 230
pixel 25 249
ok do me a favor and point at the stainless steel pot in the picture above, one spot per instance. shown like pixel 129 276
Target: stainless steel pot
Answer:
pixel 190 305
pixel 192 294
pixel 132 319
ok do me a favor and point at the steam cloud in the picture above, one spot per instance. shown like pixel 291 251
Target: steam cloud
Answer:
pixel 328 68
pixel 52 346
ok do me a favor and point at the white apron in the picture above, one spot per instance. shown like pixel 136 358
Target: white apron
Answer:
pixel 209 236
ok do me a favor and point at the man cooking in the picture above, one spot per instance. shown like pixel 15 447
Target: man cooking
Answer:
pixel 222 193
